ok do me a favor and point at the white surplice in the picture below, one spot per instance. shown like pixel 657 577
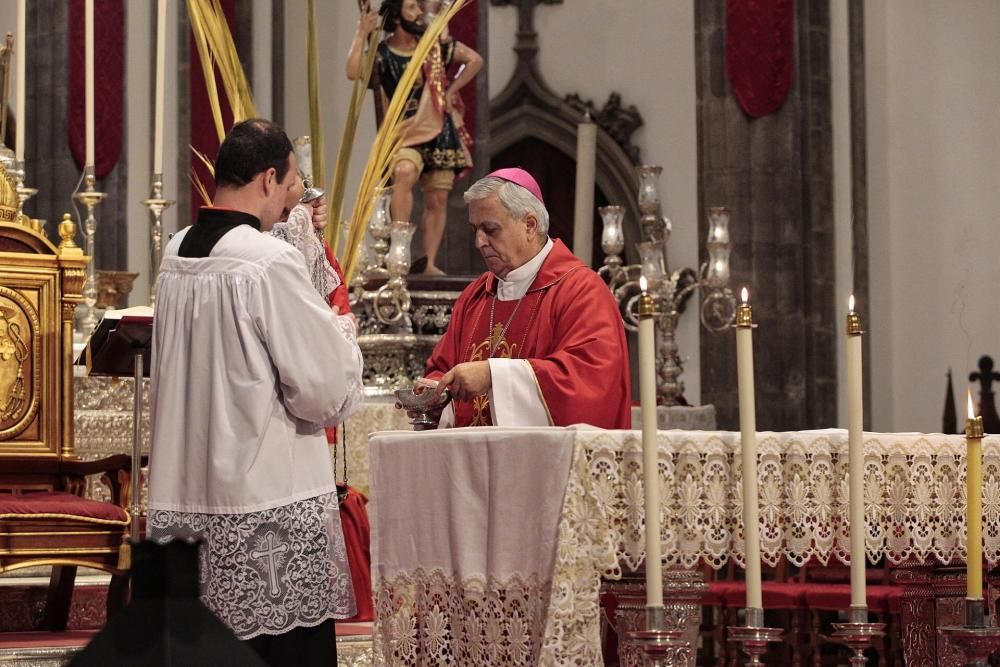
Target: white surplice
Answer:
pixel 249 363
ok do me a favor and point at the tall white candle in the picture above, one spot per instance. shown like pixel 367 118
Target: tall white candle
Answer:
pixel 161 46
pixel 748 442
pixel 88 60
pixel 21 56
pixel 650 465
pixel 583 210
pixel 856 458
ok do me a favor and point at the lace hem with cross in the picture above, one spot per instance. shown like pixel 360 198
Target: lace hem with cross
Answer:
pixel 271 571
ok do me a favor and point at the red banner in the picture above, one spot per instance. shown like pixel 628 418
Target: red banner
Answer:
pixel 760 52
pixel 204 135
pixel 109 84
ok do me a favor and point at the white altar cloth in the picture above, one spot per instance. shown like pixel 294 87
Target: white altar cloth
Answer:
pixel 489 543
pixel 481 552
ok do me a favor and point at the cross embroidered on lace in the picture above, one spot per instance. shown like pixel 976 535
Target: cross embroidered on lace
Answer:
pixel 268 572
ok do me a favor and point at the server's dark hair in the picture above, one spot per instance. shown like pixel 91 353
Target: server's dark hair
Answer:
pixel 251 147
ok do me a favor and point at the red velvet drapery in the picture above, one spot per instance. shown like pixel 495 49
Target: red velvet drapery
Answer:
pixel 760 52
pixel 109 84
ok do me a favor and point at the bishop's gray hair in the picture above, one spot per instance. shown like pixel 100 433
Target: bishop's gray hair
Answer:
pixel 518 201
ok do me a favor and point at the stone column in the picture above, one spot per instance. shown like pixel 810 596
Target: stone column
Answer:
pixel 776 175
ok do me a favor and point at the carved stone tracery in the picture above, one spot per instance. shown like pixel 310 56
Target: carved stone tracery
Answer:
pixel 528 108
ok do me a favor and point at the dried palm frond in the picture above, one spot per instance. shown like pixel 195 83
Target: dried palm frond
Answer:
pixel 196 179
pixel 217 51
pixel 388 140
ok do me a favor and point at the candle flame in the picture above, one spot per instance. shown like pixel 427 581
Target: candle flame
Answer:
pixel 642 283
pixel 972 410
pixel 745 295
pixel 850 304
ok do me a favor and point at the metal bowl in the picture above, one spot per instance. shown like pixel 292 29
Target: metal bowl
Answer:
pixel 425 401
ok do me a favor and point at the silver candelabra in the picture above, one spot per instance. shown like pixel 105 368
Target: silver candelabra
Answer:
pixel 671 290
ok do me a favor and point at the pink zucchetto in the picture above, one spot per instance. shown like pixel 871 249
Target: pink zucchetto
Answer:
pixel 522 178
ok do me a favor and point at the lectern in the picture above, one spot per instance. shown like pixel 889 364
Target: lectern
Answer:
pixel 120 347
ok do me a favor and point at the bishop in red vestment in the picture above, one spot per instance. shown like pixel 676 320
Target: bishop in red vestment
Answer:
pixel 537 340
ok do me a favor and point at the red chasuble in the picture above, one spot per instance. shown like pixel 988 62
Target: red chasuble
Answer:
pixel 567 326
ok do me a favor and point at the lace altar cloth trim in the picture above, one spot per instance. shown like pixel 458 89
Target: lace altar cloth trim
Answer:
pixel 271 571
pixel 436 618
pixel 914 495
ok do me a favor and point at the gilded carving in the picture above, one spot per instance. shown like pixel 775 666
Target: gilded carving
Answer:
pixel 20 339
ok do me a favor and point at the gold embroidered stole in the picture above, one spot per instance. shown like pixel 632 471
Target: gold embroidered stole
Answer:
pixel 502 346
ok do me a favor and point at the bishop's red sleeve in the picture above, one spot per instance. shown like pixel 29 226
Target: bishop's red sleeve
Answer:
pixel 585 377
pixel 340 296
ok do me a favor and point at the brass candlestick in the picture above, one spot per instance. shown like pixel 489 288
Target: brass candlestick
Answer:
pixel 90 198
pixel 976 640
pixel 156 205
pixel 24 193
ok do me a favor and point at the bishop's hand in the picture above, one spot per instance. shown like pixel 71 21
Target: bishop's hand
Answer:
pixel 467 380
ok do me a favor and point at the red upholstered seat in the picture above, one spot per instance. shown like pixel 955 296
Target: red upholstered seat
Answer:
pixel 59 504
pixel 717 592
pixel 836 597
pixel 775 594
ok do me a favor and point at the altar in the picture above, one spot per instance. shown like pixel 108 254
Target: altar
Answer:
pixel 489 545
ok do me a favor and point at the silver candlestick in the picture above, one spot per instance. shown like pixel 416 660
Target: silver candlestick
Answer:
pixel 754 637
pixel 663 648
pixel 857 634
pixel 90 198
pixel 156 205
pixel 976 640
pixel 24 193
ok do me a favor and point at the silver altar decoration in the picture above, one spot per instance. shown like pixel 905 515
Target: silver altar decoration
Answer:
pixel 976 640
pixel 392 300
pixel 670 289
pixel 156 204
pixel 90 198
pixel 399 326
pixel 857 634
pixel 24 193
pixel 666 636
pixel 380 229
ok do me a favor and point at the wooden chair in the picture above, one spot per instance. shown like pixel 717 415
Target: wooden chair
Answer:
pixel 44 518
